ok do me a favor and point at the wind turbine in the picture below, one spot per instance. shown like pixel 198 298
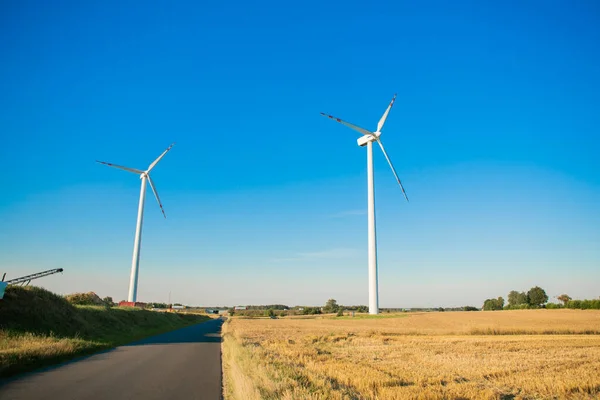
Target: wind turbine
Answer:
pixel 144 175
pixel 367 139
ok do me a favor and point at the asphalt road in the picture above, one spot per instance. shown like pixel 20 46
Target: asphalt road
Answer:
pixel 183 364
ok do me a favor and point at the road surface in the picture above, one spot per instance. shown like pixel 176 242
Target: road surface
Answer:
pixel 183 364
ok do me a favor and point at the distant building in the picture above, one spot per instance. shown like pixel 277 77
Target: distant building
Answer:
pixel 237 308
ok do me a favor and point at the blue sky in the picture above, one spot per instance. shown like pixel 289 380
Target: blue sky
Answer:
pixel 495 135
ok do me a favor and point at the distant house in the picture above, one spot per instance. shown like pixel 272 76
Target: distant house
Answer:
pixel 178 307
pixel 238 308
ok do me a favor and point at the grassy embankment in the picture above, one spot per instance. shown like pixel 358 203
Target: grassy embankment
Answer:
pixel 528 354
pixel 39 328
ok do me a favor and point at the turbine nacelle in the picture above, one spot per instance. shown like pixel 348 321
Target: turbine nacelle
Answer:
pixel 363 140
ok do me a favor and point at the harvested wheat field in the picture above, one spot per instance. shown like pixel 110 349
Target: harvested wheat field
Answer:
pixel 525 354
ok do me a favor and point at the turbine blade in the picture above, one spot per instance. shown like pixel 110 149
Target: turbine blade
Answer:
pixel 393 169
pixel 156 195
pixel 159 158
pixel 135 171
pixel 385 114
pixel 348 124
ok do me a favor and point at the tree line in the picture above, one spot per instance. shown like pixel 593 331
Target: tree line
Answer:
pixel 536 297
pixel 280 310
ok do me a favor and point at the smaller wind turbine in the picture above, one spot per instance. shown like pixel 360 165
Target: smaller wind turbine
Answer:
pixel 144 175
pixel 367 139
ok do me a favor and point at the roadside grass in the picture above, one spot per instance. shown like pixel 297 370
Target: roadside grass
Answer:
pixel 39 328
pixel 528 354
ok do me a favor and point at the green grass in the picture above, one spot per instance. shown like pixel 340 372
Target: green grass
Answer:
pixel 39 328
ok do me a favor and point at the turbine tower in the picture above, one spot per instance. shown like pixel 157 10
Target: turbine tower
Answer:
pixel 367 139
pixel 144 175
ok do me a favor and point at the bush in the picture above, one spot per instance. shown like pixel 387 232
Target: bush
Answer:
pixel 85 299
pixel 311 311
pixel 519 307
pixel 552 306
pixel 574 304
pixel 579 305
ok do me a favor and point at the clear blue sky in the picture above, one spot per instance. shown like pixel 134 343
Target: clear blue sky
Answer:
pixel 495 134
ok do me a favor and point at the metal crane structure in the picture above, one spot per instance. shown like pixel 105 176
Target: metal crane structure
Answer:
pixel 24 280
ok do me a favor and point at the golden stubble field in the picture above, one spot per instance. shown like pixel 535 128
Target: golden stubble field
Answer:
pixel 525 354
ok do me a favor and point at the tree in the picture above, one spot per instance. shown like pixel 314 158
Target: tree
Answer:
pixel 537 296
pixel 513 298
pixel 331 306
pixel 493 304
pixel 516 299
pixel 270 312
pixel 362 309
pixel 500 303
pixel 340 313
pixel 522 298
pixel 108 301
pixel 565 298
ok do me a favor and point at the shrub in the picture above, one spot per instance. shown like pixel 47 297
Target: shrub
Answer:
pixel 85 299
pixel 311 311
pixel 574 304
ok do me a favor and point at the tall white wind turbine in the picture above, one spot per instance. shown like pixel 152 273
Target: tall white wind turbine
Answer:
pixel 367 139
pixel 144 175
